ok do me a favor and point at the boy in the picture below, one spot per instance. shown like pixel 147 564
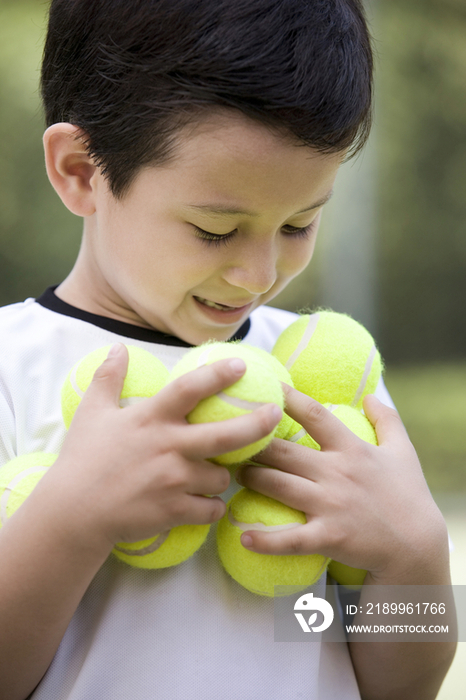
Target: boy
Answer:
pixel 199 141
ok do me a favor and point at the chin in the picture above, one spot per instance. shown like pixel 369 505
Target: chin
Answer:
pixel 217 334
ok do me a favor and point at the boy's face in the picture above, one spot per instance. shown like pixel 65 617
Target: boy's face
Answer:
pixel 258 198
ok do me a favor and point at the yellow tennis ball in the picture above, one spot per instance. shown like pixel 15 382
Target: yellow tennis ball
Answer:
pixel 347 575
pixel 145 377
pixel 260 573
pixel 283 375
pixel 166 549
pixel 356 421
pixel 351 417
pixel 330 357
pixel 284 427
pixel 18 478
pixel 258 386
pixel 297 434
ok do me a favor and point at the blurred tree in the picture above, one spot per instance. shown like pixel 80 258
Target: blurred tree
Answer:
pixel 422 216
pixel 39 238
pixel 421 183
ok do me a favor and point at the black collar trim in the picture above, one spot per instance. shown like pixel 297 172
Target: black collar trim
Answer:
pixel 50 301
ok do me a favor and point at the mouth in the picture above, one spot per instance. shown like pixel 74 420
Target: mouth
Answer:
pixel 222 314
pixel 222 307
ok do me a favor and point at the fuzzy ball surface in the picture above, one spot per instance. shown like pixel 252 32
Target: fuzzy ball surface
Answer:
pixel 356 421
pixel 145 377
pixel 330 357
pixel 347 575
pixel 18 478
pixel 264 574
pixel 298 435
pixel 353 418
pixel 259 385
pixel 166 549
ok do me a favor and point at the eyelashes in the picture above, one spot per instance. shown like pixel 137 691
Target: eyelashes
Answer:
pixel 213 238
pixel 303 232
pixel 223 239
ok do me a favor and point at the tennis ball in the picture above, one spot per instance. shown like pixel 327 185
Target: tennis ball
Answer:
pixel 356 421
pixel 145 377
pixel 284 427
pixel 347 575
pixel 351 417
pixel 18 478
pixel 260 573
pixel 330 357
pixel 297 434
pixel 258 386
pixel 166 549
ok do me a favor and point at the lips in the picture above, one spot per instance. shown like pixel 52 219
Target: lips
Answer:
pixel 221 307
pixel 213 304
pixel 222 314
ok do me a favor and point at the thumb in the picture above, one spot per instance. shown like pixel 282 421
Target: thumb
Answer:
pixel 107 382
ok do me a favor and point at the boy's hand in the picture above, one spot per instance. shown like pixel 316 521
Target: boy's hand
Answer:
pixel 368 507
pixel 128 474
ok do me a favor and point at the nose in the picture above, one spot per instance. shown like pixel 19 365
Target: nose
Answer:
pixel 253 268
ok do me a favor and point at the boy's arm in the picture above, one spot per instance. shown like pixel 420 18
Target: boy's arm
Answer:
pixel 409 670
pixel 405 670
pixel 47 562
pixel 368 507
pixel 122 475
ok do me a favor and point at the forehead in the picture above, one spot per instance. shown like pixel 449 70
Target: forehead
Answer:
pixel 230 158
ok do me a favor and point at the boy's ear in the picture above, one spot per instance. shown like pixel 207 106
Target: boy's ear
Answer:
pixel 70 169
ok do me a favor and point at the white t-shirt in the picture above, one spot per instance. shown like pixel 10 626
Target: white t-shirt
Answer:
pixel 185 633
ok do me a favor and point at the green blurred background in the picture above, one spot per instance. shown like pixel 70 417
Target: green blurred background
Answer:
pixel 393 246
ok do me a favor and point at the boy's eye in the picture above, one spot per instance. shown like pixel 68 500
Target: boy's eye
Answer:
pixel 216 238
pixel 219 238
pixel 299 230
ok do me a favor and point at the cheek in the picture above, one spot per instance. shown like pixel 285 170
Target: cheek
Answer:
pixel 297 255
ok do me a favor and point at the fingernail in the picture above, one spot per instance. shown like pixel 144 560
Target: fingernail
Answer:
pixel 246 541
pixel 238 366
pixel 277 413
pixel 115 350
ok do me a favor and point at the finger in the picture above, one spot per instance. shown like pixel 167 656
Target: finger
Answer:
pixel 321 424
pixel 188 510
pixel 289 489
pixel 107 383
pixel 303 540
pixel 386 421
pixel 291 458
pixel 208 440
pixel 207 478
pixel 180 396
pixel 202 510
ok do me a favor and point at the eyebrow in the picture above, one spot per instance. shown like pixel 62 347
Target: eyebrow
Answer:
pixel 219 210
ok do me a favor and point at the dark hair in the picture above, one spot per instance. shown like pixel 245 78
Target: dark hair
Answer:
pixel 131 74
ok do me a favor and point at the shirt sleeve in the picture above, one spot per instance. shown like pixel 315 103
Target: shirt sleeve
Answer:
pixel 7 426
pixel 382 394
